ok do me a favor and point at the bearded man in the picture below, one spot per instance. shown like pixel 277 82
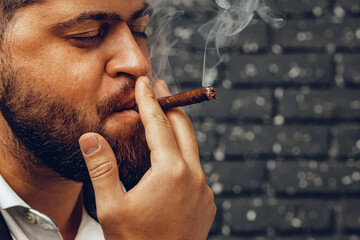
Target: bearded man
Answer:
pixel 71 74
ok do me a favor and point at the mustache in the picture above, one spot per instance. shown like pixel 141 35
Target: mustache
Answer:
pixel 110 103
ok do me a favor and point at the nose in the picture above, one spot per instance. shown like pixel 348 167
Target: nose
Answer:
pixel 127 55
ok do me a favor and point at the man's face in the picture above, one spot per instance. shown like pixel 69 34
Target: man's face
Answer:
pixel 72 69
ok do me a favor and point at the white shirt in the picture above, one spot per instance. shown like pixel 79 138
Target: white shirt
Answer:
pixel 26 223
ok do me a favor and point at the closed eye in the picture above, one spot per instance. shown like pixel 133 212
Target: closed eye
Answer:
pixel 89 38
pixel 138 31
pixel 138 26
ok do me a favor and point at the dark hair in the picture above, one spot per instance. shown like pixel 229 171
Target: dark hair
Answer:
pixel 7 10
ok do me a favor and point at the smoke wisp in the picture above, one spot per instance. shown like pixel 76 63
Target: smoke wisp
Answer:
pixel 222 31
pixel 159 42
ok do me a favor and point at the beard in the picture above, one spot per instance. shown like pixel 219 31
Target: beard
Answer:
pixel 44 132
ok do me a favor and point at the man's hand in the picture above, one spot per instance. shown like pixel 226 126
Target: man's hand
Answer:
pixel 172 200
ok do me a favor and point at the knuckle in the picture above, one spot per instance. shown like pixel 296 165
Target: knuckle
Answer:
pixel 180 172
pixel 213 211
pixel 101 170
pixel 201 181
pixel 211 203
pixel 211 194
pixel 148 96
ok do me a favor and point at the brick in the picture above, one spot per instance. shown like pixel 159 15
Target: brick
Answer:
pixel 187 69
pixel 278 69
pixel 312 177
pixel 207 137
pixel 316 237
pixel 185 18
pixel 296 7
pixel 291 140
pixel 351 215
pixel 253 38
pixel 319 33
pixel 242 217
pixel 237 104
pixel 321 104
pixel 186 33
pixel 302 237
pixel 350 66
pixel 349 140
pixel 303 216
pixel 194 8
pixel 220 237
pixel 351 6
pixel 235 177
pixel 286 216
pixel 248 79
pixel 216 226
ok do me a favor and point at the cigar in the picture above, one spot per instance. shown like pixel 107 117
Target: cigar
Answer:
pixel 186 98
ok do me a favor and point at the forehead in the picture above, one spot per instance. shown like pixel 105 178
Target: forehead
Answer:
pixel 58 10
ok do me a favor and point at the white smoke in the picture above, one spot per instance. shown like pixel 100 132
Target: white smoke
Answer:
pixel 233 16
pixel 223 30
pixel 159 42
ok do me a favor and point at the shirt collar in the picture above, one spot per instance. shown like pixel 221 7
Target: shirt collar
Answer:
pixel 89 227
pixel 8 198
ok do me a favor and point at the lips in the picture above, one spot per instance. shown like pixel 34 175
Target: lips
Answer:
pixel 124 113
pixel 124 106
pixel 120 101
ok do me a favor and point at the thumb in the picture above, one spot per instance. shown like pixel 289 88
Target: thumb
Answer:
pixel 101 163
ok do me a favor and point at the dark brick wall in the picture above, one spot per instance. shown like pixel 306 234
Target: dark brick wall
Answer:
pixel 281 145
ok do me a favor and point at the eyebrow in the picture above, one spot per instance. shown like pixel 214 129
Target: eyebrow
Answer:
pixel 101 16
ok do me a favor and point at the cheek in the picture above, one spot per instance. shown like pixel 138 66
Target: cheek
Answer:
pixel 54 68
pixel 83 81
pixel 64 73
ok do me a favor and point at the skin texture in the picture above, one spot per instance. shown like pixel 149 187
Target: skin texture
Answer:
pixel 80 75
pixel 52 61
pixel 147 211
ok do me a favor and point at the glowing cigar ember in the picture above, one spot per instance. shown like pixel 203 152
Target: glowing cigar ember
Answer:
pixel 187 98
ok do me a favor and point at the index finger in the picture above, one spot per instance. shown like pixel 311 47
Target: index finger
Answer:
pixel 182 128
pixel 159 134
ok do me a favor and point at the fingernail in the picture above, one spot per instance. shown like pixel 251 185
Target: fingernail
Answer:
pixel 147 82
pixel 164 84
pixel 89 145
